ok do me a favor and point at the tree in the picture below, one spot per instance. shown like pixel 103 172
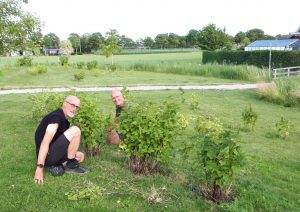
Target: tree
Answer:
pixel 255 34
pixel 192 38
pixel 95 41
pixel 148 42
pixel 85 48
pixel 19 31
pixel 111 45
pixel 239 37
pixel 126 42
pixel 161 41
pixel 213 38
pixel 66 47
pixel 173 40
pixel 75 41
pixel 51 41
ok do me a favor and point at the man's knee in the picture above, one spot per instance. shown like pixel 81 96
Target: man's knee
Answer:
pixel 72 132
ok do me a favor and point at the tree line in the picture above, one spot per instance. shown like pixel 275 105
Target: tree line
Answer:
pixel 21 31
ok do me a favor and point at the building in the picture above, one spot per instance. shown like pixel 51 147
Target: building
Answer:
pixel 52 51
pixel 295 35
pixel 279 45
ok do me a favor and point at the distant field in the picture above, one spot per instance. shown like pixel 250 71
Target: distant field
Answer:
pixel 150 69
pixel 122 60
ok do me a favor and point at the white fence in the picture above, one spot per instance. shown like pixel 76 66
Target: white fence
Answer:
pixel 288 71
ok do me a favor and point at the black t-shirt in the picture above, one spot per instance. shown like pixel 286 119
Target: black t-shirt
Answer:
pixel 118 111
pixel 54 117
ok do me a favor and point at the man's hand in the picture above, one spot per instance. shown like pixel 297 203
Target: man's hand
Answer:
pixel 39 175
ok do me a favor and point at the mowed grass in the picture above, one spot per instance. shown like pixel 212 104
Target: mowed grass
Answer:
pixel 121 60
pixel 270 180
pixel 144 69
pixel 57 76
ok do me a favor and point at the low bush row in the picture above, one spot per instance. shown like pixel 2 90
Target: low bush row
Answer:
pixel 257 58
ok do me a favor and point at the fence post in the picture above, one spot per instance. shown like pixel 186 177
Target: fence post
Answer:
pixel 288 72
pixel 275 73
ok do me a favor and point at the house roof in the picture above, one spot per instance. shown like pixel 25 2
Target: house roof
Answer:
pixel 273 43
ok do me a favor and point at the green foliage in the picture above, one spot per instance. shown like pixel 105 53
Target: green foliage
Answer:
pixel 88 119
pixel 92 124
pixel 63 60
pixel 237 72
pixel 24 61
pixel 257 58
pixel 281 91
pixel 45 103
pixel 38 69
pixel 80 65
pixel 283 127
pixel 92 64
pixel 111 46
pixel 112 67
pixel 194 102
pixel 148 130
pixel 19 30
pixel 86 191
pixel 219 154
pixel 79 76
pixel 249 117
pixel 213 38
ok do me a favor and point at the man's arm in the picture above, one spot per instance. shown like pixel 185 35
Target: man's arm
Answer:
pixel 43 151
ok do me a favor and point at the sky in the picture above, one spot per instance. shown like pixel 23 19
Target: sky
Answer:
pixel 140 18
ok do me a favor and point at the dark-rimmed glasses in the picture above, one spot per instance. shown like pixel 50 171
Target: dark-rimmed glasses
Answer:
pixel 73 105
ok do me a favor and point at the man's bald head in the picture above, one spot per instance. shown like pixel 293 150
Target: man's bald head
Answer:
pixel 117 98
pixel 70 106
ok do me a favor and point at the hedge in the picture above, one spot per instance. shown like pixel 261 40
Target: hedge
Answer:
pixel 257 58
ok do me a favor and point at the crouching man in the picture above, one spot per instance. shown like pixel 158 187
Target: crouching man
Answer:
pixel 57 143
pixel 113 137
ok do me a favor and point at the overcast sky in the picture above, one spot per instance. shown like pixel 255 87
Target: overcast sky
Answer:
pixel 141 18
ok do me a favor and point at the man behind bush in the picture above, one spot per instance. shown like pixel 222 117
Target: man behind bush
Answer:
pixel 113 136
pixel 57 143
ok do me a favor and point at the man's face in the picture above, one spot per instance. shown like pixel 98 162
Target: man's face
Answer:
pixel 71 106
pixel 117 98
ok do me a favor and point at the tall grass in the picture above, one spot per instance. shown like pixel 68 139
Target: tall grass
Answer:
pixel 281 91
pixel 236 72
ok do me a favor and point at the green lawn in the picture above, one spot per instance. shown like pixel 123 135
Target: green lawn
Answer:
pixel 159 69
pixel 59 76
pixel 270 180
pixel 122 60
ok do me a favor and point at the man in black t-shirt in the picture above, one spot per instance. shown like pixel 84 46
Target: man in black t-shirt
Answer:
pixel 57 143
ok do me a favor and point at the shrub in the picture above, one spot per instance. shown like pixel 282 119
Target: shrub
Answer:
pixel 219 156
pixel 249 117
pixel 89 119
pixel 80 65
pixel 281 91
pixel 148 130
pixel 257 58
pixel 38 69
pixel 63 60
pixel 24 61
pixel 112 67
pixel 239 72
pixel 79 76
pixel 194 102
pixel 283 127
pixel 92 64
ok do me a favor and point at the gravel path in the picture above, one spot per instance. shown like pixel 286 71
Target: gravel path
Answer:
pixel 133 88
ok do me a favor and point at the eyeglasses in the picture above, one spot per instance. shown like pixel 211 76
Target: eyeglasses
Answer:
pixel 73 105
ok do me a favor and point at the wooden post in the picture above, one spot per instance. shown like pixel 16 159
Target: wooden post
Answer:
pixel 275 73
pixel 288 72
